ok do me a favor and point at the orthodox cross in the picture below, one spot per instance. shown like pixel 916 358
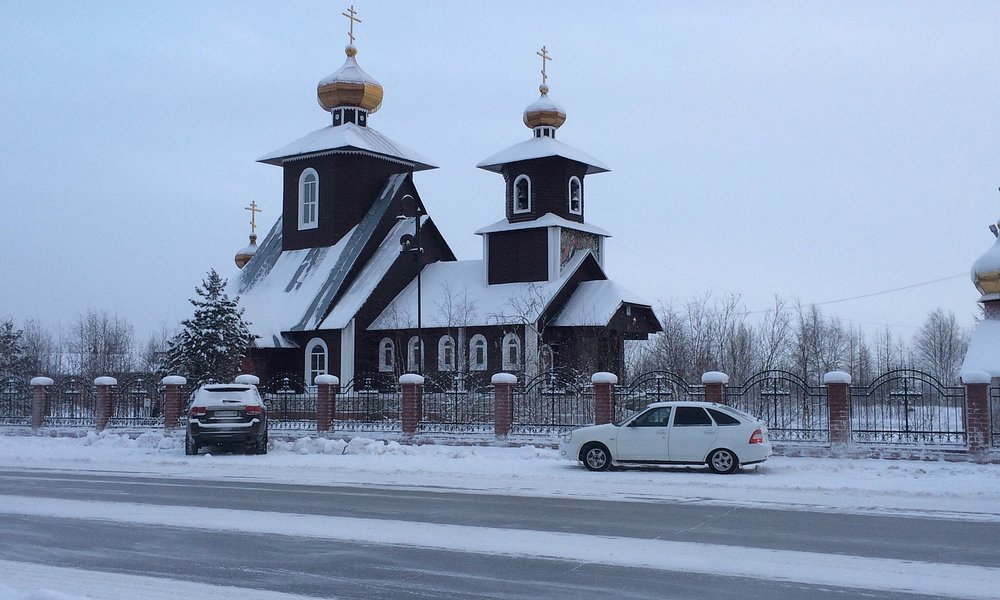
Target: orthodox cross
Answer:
pixel 253 215
pixel 352 15
pixel 545 57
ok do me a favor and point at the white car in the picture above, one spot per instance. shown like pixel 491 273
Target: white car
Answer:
pixel 672 433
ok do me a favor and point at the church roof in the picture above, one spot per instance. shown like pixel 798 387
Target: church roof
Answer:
pixel 593 303
pixel 546 220
pixel 347 138
pixel 541 147
pixel 293 290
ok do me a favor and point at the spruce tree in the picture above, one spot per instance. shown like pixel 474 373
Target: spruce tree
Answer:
pixel 212 345
pixel 13 361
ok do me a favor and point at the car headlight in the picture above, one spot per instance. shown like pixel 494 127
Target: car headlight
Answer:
pixel 567 436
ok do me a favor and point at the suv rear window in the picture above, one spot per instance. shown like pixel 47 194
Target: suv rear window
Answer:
pixel 722 418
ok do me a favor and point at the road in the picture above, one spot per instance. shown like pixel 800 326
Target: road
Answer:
pixel 436 544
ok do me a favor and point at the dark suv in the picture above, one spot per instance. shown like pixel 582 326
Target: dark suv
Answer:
pixel 227 413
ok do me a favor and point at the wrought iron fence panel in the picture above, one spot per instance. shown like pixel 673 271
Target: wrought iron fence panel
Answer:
pixel 995 417
pixel 291 404
pixel 793 410
pixel 654 386
pixel 15 401
pixel 369 402
pixel 455 404
pixel 906 406
pixel 552 403
pixel 71 402
pixel 138 401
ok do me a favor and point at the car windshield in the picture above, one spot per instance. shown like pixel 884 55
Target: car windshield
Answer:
pixel 621 421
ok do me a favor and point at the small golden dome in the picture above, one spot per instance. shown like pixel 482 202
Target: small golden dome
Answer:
pixel 349 86
pixel 986 272
pixel 544 112
pixel 244 255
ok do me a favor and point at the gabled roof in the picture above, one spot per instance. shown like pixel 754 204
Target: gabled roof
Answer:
pixel 594 303
pixel 546 220
pixel 541 147
pixel 347 138
pixel 455 293
pixel 295 289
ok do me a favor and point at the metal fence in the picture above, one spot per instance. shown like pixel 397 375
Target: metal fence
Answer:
pixel 655 386
pixel 369 403
pixel 71 402
pixel 138 402
pixel 551 403
pixel 456 404
pixel 792 410
pixel 15 401
pixel 291 404
pixel 908 407
pixel 995 417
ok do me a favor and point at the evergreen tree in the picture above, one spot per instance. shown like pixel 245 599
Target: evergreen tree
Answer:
pixel 212 345
pixel 12 357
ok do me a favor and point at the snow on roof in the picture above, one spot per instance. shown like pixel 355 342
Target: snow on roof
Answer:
pixel 455 293
pixel 541 147
pixel 593 303
pixel 546 220
pixel 984 349
pixel 346 138
pixel 350 71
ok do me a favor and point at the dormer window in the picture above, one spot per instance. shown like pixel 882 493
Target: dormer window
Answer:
pixel 575 190
pixel 308 199
pixel 522 194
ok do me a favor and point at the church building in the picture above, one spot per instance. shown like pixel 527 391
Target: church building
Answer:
pixel 355 280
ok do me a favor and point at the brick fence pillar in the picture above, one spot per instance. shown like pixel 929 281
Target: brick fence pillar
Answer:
pixel 39 394
pixel 503 403
pixel 173 400
pixel 604 397
pixel 327 387
pixel 412 385
pixel 105 401
pixel 715 386
pixel 838 402
pixel 977 412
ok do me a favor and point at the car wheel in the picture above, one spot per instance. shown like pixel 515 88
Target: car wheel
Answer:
pixel 723 461
pixel 596 457
pixel 190 446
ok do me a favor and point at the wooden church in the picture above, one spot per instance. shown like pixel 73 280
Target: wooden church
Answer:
pixel 354 274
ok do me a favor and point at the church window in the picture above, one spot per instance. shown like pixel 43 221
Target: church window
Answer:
pixel 575 190
pixel 446 353
pixel 386 356
pixel 522 194
pixel 414 356
pixel 477 353
pixel 316 359
pixel 511 352
pixel 309 199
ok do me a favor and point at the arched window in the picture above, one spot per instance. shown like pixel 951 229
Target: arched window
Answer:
pixel 575 194
pixel 511 351
pixel 308 199
pixel 522 194
pixel 477 353
pixel 316 359
pixel 446 353
pixel 386 356
pixel 414 356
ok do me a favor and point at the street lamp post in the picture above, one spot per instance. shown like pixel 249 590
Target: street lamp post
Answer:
pixel 413 246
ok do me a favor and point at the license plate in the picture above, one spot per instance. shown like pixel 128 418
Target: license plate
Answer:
pixel 226 413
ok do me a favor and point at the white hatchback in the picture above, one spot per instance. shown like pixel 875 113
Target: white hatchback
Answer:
pixel 672 433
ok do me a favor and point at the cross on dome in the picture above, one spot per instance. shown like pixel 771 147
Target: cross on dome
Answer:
pixel 545 58
pixel 253 215
pixel 352 16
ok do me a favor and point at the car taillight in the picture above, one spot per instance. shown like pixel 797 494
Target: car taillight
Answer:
pixel 198 411
pixel 253 410
pixel 757 437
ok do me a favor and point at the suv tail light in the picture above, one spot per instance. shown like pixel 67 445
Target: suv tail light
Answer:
pixel 198 411
pixel 757 437
pixel 253 409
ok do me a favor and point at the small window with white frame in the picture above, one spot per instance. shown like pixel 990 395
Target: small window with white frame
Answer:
pixel 386 356
pixel 477 353
pixel 316 360
pixel 511 351
pixel 522 194
pixel 414 356
pixel 446 353
pixel 575 196
pixel 309 199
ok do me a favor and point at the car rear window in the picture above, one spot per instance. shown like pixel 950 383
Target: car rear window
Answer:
pixel 722 418
pixel 686 416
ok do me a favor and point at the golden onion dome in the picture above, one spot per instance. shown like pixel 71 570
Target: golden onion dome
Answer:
pixel 244 255
pixel 544 112
pixel 986 272
pixel 349 86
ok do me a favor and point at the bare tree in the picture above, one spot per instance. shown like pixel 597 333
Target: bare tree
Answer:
pixel 940 345
pixel 101 344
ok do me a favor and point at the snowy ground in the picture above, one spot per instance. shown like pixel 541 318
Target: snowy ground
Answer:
pixel 934 488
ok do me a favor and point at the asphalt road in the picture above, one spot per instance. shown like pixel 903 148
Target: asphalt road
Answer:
pixel 322 568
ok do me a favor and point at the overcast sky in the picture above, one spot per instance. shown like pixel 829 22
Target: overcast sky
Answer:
pixel 815 151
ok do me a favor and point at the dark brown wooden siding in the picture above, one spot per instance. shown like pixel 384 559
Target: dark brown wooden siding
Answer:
pixel 549 187
pixel 518 256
